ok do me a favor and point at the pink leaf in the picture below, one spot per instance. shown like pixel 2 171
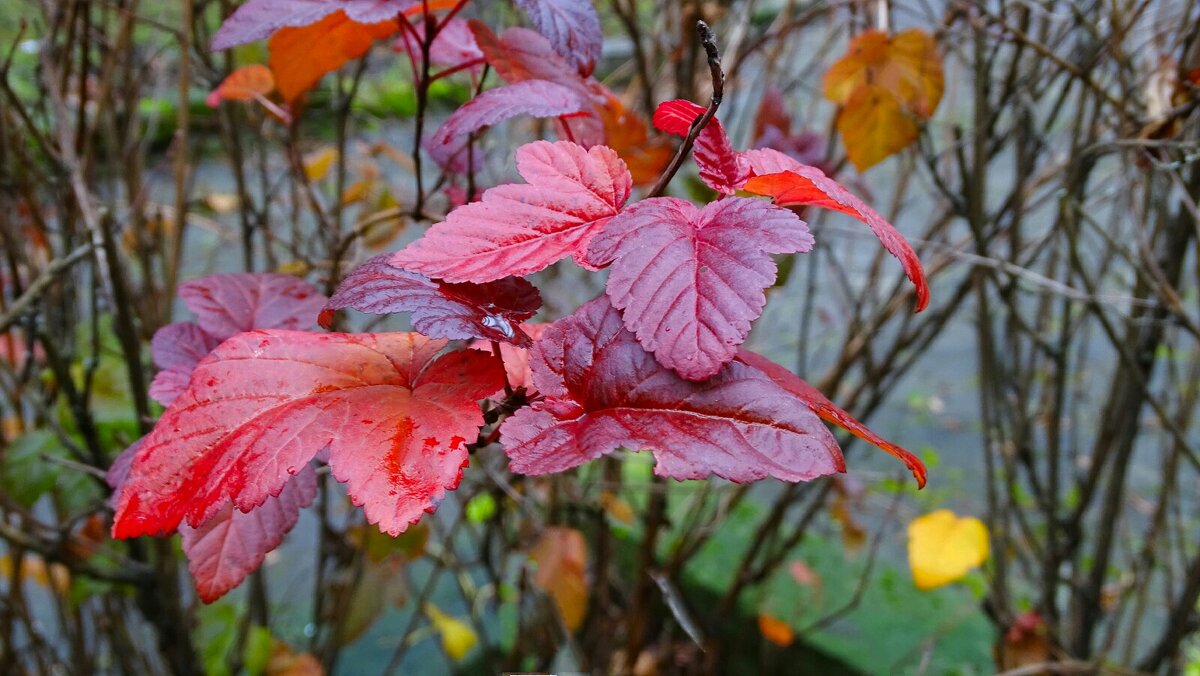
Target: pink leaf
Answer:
pixel 259 19
pixel 516 229
pixel 176 349
pixel 690 281
pixel 395 418
pixel 228 304
pixel 603 392
pixel 721 167
pixel 453 46
pixel 572 26
pixel 491 311
pixel 233 544
pixel 538 98
pixel 790 183
pixel 830 411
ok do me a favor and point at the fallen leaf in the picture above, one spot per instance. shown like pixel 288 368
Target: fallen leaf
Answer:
pixel 943 547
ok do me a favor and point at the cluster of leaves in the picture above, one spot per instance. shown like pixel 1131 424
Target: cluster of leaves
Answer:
pixel 655 363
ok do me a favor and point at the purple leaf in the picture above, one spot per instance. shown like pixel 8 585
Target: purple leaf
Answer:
pixel 690 281
pixel 603 392
pixel 229 304
pixel 572 26
pixel 176 349
pixel 491 311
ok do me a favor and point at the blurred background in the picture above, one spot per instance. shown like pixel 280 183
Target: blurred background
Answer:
pixel 1051 387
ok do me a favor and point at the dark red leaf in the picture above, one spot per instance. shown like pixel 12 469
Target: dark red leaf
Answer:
pixel 258 19
pixel 721 167
pixel 491 311
pixel 604 392
pixel 538 98
pixel 790 183
pixel 394 417
pixel 572 26
pixel 515 230
pixel 690 281
pixel 176 349
pixel 233 544
pixel 830 411
pixel 228 304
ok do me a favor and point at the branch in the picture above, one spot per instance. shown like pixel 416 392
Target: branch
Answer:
pixel 42 284
pixel 709 41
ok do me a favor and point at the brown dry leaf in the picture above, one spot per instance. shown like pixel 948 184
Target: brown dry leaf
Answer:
pixel 776 630
pixel 301 56
pixel 1024 643
pixel 54 576
pixel 874 127
pixel 561 556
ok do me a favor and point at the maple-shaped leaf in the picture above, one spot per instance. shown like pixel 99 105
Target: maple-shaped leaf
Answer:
pixel 301 56
pixel 601 392
pixel 176 349
pixel 790 183
pixel 458 311
pixel 392 416
pixel 721 167
pixel 831 412
pixel 537 98
pixel 453 46
pixel 518 229
pixel 222 551
pixel 690 281
pixel 572 26
pixel 228 304
pixel 244 84
pixel 259 19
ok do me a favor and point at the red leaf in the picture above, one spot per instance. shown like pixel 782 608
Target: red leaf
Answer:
pixel 603 392
pixel 516 360
pixel 572 26
pixel 259 19
pixel 394 417
pixel 515 229
pixel 491 311
pixel 830 411
pixel 538 98
pixel 233 544
pixel 453 46
pixel 790 183
pixel 690 281
pixel 176 349
pixel 721 167
pixel 228 304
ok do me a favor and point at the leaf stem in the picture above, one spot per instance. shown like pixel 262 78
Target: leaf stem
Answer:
pixel 709 41
pixel 508 389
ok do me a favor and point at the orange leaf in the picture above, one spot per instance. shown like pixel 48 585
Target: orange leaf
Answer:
pixel 243 84
pixel 561 556
pixel 626 133
pixel 775 630
pixel 284 662
pixel 301 56
pixel 431 6
pixel 906 65
pixel 874 126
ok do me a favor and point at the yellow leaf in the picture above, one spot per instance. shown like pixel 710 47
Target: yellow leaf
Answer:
pixel 222 202
pixel 775 630
pixel 874 127
pixel 561 556
pixel 617 508
pixel 943 547
pixel 457 637
pixel 906 65
pixel 317 163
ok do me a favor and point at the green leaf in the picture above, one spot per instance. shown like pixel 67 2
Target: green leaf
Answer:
pixel 481 508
